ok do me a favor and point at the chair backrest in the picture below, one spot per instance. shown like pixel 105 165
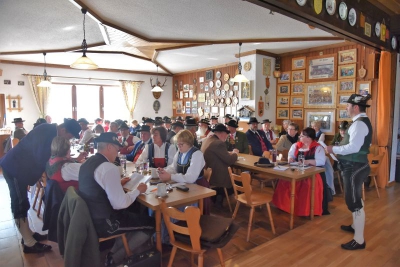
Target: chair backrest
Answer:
pixel 207 174
pixel 250 150
pixel 14 142
pixel 244 179
pixel 191 216
pixel 375 167
pixel 266 154
pixel 284 153
pixel 374 150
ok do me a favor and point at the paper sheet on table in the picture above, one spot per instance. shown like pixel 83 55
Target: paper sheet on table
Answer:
pixel 136 179
pixel 280 168
pixel 324 146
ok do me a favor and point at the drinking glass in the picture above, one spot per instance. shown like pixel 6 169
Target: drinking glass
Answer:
pixel 301 162
pixel 122 160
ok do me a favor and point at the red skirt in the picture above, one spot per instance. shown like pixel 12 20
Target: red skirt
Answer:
pixel 302 201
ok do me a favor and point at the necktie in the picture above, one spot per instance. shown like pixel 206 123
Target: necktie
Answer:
pixel 263 146
pixel 231 139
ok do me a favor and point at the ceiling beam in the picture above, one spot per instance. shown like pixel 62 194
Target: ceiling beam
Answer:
pixel 257 52
pixel 204 69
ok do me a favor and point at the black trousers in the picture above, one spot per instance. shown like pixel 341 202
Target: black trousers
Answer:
pixel 19 196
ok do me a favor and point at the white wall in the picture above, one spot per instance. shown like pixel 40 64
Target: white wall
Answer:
pixel 30 112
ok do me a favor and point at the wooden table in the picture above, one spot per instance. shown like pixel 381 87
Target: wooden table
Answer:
pixel 247 163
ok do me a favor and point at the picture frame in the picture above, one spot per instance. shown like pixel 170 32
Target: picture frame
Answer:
pixel 320 95
pixel 188 111
pixel 190 93
pixel 297 114
pixel 346 86
pixel 285 77
pixel 342 100
pixel 186 95
pixel 201 98
pixel 321 68
pixel 266 67
pixel 214 110
pixel 342 115
pixel 367 29
pixel 347 71
pixel 298 89
pixel 282 113
pixel 245 92
pixel 14 103
pixel 298 76
pixel 207 109
pixel 206 87
pixel 8 82
pixel 194 104
pixel 283 89
pixel 209 75
pixel 347 56
pixel 282 101
pixel 180 94
pixel 326 116
pixel 179 107
pixel 298 63
pixel 186 87
pixel 297 101
pixel 21 83
pixel 194 110
pixel 187 104
pixel 364 88
pixel 235 88
pixel 201 79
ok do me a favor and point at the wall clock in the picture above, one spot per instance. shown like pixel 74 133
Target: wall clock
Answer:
pixel 343 10
pixel 330 6
pixel 394 43
pixel 352 17
pixel 378 29
pixel 301 2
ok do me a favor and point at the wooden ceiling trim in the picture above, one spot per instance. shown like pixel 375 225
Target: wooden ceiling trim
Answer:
pixel 209 68
pixel 257 52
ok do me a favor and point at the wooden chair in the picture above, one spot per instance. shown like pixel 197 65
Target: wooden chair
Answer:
pixel 196 233
pixel 124 241
pixel 374 171
pixel 207 175
pixel 262 179
pixel 39 193
pixel 250 150
pixel 14 142
pixel 250 198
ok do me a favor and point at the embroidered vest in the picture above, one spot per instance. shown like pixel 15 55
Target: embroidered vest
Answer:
pixel 158 162
pixel 53 172
pixel 184 163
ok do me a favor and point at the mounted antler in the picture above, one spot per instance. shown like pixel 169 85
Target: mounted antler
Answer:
pixel 158 83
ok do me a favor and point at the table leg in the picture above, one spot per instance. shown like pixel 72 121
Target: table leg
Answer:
pixel 292 195
pixel 201 206
pixel 158 230
pixel 312 196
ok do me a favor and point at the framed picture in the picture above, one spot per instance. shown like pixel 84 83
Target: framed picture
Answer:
pixel 201 98
pixel 342 100
pixel 347 71
pixel 346 86
pixel 298 88
pixel 201 79
pixel 186 87
pixel 282 113
pixel 246 91
pixel 179 107
pixel 321 68
pixel 282 101
pixel 364 87
pixel 283 89
pixel 297 101
pixel 320 95
pixel 194 104
pixel 327 118
pixel 180 94
pixel 206 87
pixel 347 56
pixel 207 109
pixel 298 63
pixel 21 83
pixel 187 104
pixel 7 82
pixel 342 115
pixel 190 93
pixel 186 95
pixel 298 76
pixel 235 88
pixel 194 110
pixel 296 114
pixel 188 111
pixel 285 77
pixel 266 67
pixel 214 110
pixel 367 29
pixel 209 75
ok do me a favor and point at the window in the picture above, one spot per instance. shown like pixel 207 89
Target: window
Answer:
pixel 60 103
pixel 87 102
pixel 114 104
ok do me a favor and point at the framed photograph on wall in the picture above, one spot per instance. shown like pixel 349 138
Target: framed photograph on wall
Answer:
pixel 347 56
pixel 282 113
pixel 298 63
pixel 201 98
pixel 346 86
pixel 194 110
pixel 283 89
pixel 297 101
pixel 194 104
pixel 364 87
pixel 282 101
pixel 327 118
pixel 179 107
pixel 187 104
pixel 298 88
pixel 298 76
pixel 180 94
pixel 320 95
pixel 186 87
pixel 186 95
pixel 321 68
pixel 214 110
pixel 246 93
pixel 296 114
pixel 342 115
pixel 342 100
pixel 188 111
pixel 285 77
pixel 347 71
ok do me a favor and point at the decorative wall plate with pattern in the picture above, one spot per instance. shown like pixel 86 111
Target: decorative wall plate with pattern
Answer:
pixel 330 6
pixel 230 93
pixel 352 17
pixel 222 100
pixel 212 102
pixel 218 83
pixel 235 100
pixel 211 84
pixel 218 74
pixel 226 77
pixel 226 87
pixel 228 100
pixel 217 92
pixel 231 82
pixel 201 86
pixel 223 93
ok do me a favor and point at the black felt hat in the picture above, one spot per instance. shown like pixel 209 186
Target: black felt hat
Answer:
pixel 179 118
pixel 232 123
pixel 72 127
pixel 190 122
pixel 253 120
pixel 147 120
pixel 214 117
pixel 343 125
pixel 359 100
pixel 83 120
pixel 266 121
pixel 16 120
pixel 220 128
pixel 108 137
pixel 178 124
pixel 228 116
pixel 144 128
pixel 205 121
pixel 123 126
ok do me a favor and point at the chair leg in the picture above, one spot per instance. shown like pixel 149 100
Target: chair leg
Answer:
pixel 227 199
pixel 221 257
pixel 271 220
pixel 340 182
pixel 37 191
pixel 40 201
pixel 363 192
pixel 192 259
pixel 200 260
pixel 376 187
pixel 126 245
pixel 236 209
pixel 171 258
pixel 250 223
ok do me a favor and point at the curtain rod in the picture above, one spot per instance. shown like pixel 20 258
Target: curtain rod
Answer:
pixel 90 79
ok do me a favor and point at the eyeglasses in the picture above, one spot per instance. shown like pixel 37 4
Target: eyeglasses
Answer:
pixel 291 129
pixel 302 135
pixel 180 144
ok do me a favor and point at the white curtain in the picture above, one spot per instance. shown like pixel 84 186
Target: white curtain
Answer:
pixel 130 90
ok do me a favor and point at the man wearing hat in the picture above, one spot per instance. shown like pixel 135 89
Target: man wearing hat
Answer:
pixel 204 129
pixel 271 136
pixel 149 122
pixel 353 162
pixel 19 131
pixel 24 165
pixel 236 139
pixel 192 126
pixel 339 136
pixel 167 123
pixel 179 118
pixel 85 134
pixel 126 140
pixel 177 126
pixel 219 159
pixel 158 122
pixel 100 186
pixel 214 121
pixel 145 139
pixel 256 138
pixel 228 117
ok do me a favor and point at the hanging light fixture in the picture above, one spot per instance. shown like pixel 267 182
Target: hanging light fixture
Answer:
pixel 156 87
pixel 44 82
pixel 84 63
pixel 240 78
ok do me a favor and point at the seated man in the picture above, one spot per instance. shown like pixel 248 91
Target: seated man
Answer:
pixel 145 139
pixel 271 136
pixel 176 128
pixel 257 139
pixel 101 188
pixel 114 128
pixel 204 130
pixel 192 127
pixel 86 134
pixel 291 137
pixel 236 139
pixel 127 141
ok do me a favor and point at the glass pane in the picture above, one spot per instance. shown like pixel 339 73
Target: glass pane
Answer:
pixel 87 101
pixel 58 110
pixel 114 104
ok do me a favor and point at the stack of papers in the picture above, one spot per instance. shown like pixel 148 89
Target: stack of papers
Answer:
pixel 136 179
pixel 280 168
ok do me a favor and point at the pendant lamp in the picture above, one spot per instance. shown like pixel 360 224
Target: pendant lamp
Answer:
pixel 157 88
pixel 84 63
pixel 240 78
pixel 44 82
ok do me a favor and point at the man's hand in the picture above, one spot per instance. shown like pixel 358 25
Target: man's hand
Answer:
pixel 236 151
pixel 125 180
pixel 142 188
pixel 81 157
pixel 164 175
pixel 328 149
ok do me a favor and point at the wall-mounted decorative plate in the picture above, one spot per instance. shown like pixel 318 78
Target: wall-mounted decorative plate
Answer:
pixel 231 82
pixel 235 100
pixel 301 2
pixel 201 86
pixel 330 6
pixel 223 93
pixel 247 66
pixel 226 77
pixel 218 83
pixel 217 101
pixel 352 17
pixel 156 106
pixel 194 97
pixel 394 43
pixel 222 100
pixel 343 10
pixel 228 100
pixel 226 87
pixel 218 74
pixel 194 81
pixel 211 84
pixel 217 92
pixel 212 102
pixel 230 93
pixel 378 29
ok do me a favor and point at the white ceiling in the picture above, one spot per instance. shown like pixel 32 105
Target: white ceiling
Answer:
pixel 134 29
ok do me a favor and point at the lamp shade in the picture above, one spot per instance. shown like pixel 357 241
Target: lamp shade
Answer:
pixel 277 73
pixel 240 78
pixel 157 89
pixel 84 63
pixel 44 83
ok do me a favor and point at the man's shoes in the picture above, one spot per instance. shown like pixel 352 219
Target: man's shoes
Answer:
pixel 347 228
pixel 37 237
pixel 353 245
pixel 109 259
pixel 37 248
pixel 326 212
